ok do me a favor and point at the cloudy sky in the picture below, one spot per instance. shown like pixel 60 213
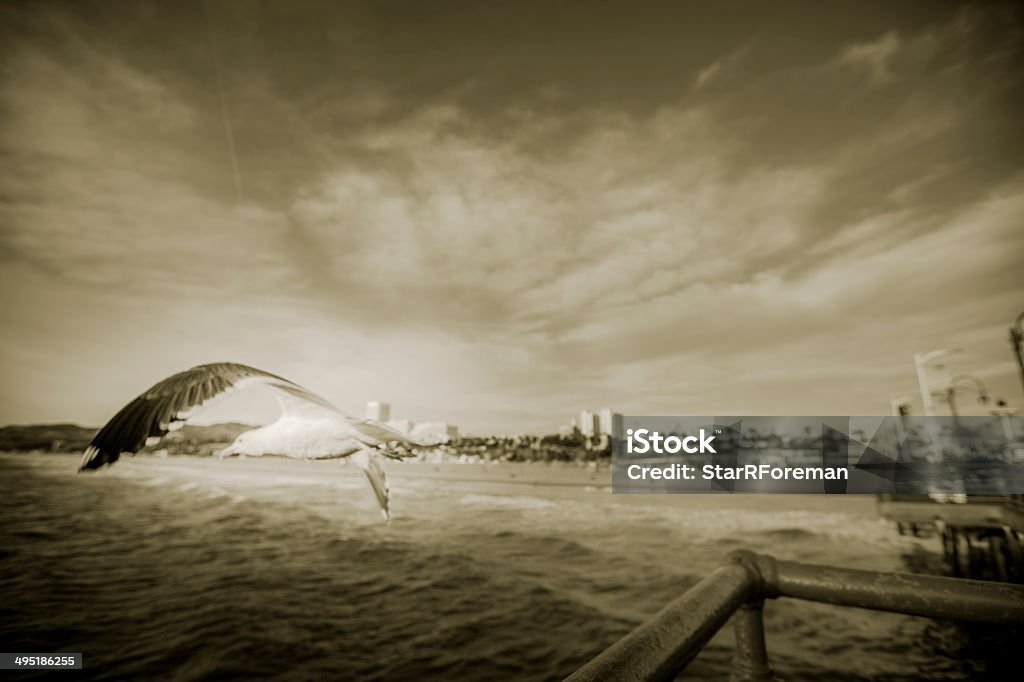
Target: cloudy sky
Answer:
pixel 497 213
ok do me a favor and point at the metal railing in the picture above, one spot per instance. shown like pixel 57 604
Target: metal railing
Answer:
pixel 661 647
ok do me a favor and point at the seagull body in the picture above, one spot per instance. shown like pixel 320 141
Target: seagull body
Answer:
pixel 309 427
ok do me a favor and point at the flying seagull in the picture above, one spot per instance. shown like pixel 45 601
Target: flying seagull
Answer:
pixel 309 427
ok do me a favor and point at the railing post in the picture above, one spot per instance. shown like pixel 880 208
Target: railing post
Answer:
pixel 750 664
pixel 661 647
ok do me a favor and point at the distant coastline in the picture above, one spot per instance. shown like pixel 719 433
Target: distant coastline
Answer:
pixel 206 441
pixel 595 475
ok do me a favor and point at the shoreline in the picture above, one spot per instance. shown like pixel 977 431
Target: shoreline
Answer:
pixel 559 474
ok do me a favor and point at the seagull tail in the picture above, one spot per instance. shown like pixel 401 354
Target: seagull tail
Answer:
pixel 370 463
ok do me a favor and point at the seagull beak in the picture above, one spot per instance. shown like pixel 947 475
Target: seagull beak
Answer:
pixel 226 452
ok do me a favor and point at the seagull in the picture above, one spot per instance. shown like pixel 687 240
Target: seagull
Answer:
pixel 309 427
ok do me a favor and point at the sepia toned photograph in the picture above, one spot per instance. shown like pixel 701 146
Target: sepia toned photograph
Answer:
pixel 459 340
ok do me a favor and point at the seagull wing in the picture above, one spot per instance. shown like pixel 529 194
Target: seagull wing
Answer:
pixel 384 434
pixel 170 402
pixel 370 463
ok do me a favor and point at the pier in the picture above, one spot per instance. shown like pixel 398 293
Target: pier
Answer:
pixel 981 534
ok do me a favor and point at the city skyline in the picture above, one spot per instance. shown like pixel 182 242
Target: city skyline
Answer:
pixel 495 220
pixel 379 410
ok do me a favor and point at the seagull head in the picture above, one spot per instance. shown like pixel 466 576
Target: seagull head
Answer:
pixel 229 451
pixel 241 445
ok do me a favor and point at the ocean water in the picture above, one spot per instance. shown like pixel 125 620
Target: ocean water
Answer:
pixel 190 569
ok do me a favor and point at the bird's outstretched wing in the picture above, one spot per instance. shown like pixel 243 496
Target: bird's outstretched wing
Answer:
pixel 167 405
pixel 375 431
pixel 370 462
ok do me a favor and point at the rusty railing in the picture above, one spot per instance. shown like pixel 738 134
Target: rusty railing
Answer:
pixel 661 647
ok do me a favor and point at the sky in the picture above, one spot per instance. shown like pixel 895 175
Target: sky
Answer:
pixel 496 214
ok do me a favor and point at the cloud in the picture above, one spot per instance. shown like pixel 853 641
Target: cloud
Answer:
pixel 750 243
pixel 707 75
pixel 720 69
pixel 875 58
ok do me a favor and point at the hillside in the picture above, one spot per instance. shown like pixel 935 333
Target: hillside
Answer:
pixel 54 437
pixel 190 439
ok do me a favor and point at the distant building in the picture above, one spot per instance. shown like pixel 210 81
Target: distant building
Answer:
pixel 378 411
pixel 604 423
pixel 589 424
pixel 435 432
pixel 608 419
pixel 403 425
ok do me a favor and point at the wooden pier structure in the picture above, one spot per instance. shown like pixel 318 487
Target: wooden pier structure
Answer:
pixel 982 535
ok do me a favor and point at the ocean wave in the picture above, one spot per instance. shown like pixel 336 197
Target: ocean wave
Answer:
pixel 506 502
pixel 237 576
